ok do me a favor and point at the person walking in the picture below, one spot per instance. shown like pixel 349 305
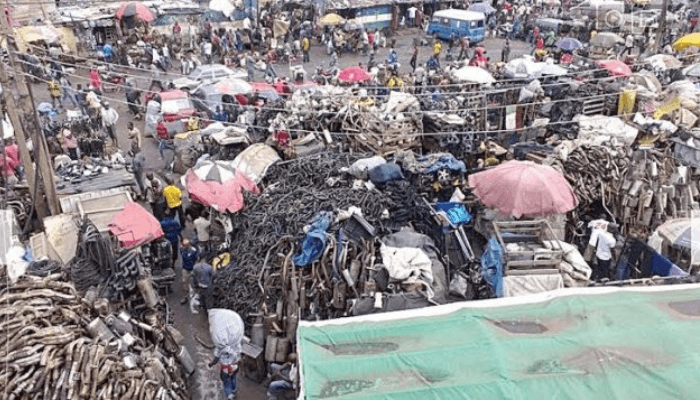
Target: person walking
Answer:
pixel 67 91
pixel 55 92
pixel 172 231
pixel 437 48
pixel 109 120
pixel 70 143
pixel 95 79
pixel 137 165
pixel 201 227
pixel 463 49
pixel 250 66
pixel 189 255
pixel 154 196
pixel 163 139
pixel 505 52
pixel 305 49
pixel 173 198
pixel 135 137
pixel 203 279
pixel 155 78
pixel 414 57
pixel 629 45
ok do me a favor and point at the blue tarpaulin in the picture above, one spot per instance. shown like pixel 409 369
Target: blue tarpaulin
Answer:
pixel 315 240
pixel 492 267
pixel 446 162
pixel 456 212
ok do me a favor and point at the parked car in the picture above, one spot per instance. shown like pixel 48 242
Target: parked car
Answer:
pixel 175 108
pixel 447 24
pixel 208 74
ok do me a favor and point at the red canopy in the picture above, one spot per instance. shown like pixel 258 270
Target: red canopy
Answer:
pixel 616 67
pixel 353 75
pixel 134 226
pixel 222 196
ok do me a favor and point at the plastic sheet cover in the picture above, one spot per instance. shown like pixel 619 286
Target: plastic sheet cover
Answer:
pixel 584 343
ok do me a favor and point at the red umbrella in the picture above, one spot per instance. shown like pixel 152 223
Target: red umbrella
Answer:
pixel 226 196
pixel 520 188
pixel 616 67
pixel 135 9
pixel 134 226
pixel 353 75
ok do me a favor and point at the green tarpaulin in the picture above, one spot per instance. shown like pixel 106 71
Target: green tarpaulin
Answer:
pixel 596 343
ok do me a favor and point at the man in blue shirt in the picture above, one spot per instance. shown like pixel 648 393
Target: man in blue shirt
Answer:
pixel 173 232
pixel 189 255
pixel 203 275
pixel 221 116
pixel 108 52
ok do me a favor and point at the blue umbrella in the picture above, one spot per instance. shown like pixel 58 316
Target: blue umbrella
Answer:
pixel 569 44
pixel 482 8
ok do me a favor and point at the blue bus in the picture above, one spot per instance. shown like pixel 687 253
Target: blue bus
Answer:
pixel 448 24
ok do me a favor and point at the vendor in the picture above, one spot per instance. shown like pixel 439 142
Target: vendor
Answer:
pixel 604 241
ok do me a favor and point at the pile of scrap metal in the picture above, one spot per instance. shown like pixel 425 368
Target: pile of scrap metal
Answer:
pixel 365 124
pixel 19 200
pixel 347 214
pixel 636 188
pixel 56 344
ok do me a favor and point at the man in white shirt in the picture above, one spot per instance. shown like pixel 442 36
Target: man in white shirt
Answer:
pixel 412 17
pixel 109 120
pixel 605 243
pixel 201 226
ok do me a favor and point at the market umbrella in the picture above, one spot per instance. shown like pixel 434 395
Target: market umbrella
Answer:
pixel 522 68
pixel 226 196
pixel 232 86
pixel 606 39
pixel 215 171
pixel 569 44
pixel 354 25
pixel 686 41
pixel 134 226
pixel 331 19
pixel 473 74
pixel 521 188
pixel 353 75
pixel 134 9
pixel 224 6
pixel 693 70
pixel 679 232
pixel 616 67
pixel 44 107
pixel 484 8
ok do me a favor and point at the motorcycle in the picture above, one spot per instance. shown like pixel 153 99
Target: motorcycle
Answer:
pixel 323 77
pixel 112 80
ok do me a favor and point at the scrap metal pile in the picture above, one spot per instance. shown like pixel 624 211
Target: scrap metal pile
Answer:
pixel 56 344
pixel 269 231
pixel 391 123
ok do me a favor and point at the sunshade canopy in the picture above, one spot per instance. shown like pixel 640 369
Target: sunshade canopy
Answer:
pixel 520 188
pixel 569 44
pixel 686 41
pixel 616 67
pixel 331 19
pixel 473 74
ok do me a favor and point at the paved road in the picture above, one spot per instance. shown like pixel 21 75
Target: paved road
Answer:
pixel 205 382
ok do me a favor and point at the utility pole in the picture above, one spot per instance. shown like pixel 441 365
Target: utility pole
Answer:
pixel 29 127
pixel 660 31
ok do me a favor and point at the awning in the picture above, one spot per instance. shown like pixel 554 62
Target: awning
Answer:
pixel 135 226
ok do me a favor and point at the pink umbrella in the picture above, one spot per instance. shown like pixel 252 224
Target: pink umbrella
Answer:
pixel 353 75
pixel 520 188
pixel 616 67
pixel 134 226
pixel 226 195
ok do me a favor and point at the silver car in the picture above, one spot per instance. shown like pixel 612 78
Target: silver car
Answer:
pixel 206 74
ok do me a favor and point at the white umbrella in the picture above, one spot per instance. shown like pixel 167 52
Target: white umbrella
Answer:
pixel 693 70
pixel 217 171
pixel 523 68
pixel 224 6
pixel 473 74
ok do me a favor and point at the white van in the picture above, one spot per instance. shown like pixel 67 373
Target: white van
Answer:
pixel 597 9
